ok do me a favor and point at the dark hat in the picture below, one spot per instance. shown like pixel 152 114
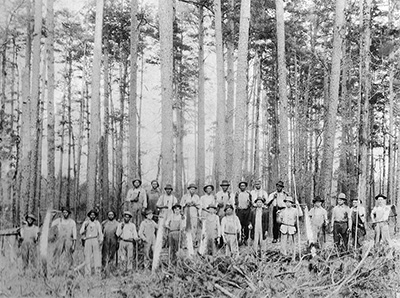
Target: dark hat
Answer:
pixel 245 183
pixel 280 183
pixel 380 196
pixel 148 211
pixel 212 206
pixel 259 199
pixel 168 186
pixel 137 179
pixel 111 211
pixel 192 185
pixel 228 206
pixel 93 211
pixel 176 206
pixel 318 199
pixel 30 216
pixel 65 209
pixel 208 185
pixel 225 183
pixel 128 213
pixel 155 182
pixel 289 199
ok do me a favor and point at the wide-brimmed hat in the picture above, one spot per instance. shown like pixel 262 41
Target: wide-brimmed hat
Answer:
pixel 148 211
pixel 342 196
pixel 245 183
pixel 128 213
pixel 176 206
pixel 225 183
pixel 111 211
pixel 212 206
pixel 259 199
pixel 356 199
pixel 192 185
pixel 66 209
pixel 93 211
pixel 155 182
pixel 30 216
pixel 228 206
pixel 208 185
pixel 280 183
pixel 380 196
pixel 168 186
pixel 137 179
pixel 289 199
pixel 318 199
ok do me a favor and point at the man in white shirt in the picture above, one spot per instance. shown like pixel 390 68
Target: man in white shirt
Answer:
pixel 357 210
pixel 258 192
pixel 223 198
pixel 277 200
pixel 127 233
pixel 136 201
pixel 380 219
pixel 243 203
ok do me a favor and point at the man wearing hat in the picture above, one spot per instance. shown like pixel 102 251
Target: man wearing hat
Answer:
pixel 230 231
pixel 258 192
pixel 92 233
pixel 223 198
pixel 357 223
pixel 152 196
pixel 259 225
pixel 277 200
pixel 380 220
pixel 136 201
pixel 127 233
pixel 110 242
pixel 243 203
pixel 319 220
pixel 191 208
pixel 66 241
pixel 340 223
pixel 166 201
pixel 207 199
pixel 147 232
pixel 29 235
pixel 212 230
pixel 175 224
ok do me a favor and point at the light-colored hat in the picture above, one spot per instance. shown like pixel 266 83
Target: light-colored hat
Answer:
pixel 128 213
pixel 342 196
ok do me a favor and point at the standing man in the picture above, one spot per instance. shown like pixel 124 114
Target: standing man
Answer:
pixel 212 229
pixel 136 201
pixel 207 199
pixel 340 223
pixel 223 198
pixel 110 243
pixel 66 240
pixel 191 209
pixel 277 200
pixel 380 220
pixel 259 225
pixel 29 235
pixel 230 231
pixel 357 210
pixel 152 196
pixel 166 201
pixel 147 232
pixel 93 236
pixel 127 233
pixel 258 192
pixel 175 224
pixel 319 221
pixel 243 203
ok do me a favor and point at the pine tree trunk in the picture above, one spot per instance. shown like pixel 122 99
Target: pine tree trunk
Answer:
pixel 256 157
pixel 201 148
pixel 166 43
pixel 219 153
pixel 60 170
pixel 51 148
pixel 230 98
pixel 132 152
pixel 330 120
pixel 104 174
pixel 283 102
pixel 241 91
pixel 93 144
pixel 69 117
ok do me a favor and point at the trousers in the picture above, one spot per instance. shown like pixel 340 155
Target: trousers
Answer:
pixel 92 249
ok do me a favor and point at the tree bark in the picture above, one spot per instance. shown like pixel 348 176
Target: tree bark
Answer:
pixel 93 145
pixel 132 152
pixel 166 43
pixel 283 102
pixel 330 120
pixel 105 182
pixel 241 91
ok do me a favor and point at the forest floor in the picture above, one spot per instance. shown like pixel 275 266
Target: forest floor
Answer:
pixel 357 274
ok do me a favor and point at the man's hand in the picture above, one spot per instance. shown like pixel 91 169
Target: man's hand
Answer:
pixel 250 226
pixel 122 225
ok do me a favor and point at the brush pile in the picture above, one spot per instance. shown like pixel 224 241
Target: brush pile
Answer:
pixel 375 274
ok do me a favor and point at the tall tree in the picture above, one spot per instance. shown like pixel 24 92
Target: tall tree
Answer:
pixel 94 136
pixel 219 152
pixel 283 101
pixel 166 44
pixel 241 91
pixel 325 184
pixel 132 152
